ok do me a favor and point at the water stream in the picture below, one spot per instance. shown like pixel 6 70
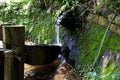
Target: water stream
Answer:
pixel 58 40
pixel 57 35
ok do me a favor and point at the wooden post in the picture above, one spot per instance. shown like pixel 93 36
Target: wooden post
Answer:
pixel 9 65
pixel 13 38
pixel 2 63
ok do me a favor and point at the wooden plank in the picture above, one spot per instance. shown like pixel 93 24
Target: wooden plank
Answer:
pixel 2 63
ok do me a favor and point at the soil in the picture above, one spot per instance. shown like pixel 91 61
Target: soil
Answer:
pixel 49 72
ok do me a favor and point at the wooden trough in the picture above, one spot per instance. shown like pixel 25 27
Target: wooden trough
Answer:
pixel 41 54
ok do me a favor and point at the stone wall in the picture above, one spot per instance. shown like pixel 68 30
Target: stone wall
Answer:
pixel 101 20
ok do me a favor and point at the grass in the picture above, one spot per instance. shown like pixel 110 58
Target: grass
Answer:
pixel 103 39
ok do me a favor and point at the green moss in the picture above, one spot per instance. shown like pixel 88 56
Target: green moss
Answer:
pixel 90 43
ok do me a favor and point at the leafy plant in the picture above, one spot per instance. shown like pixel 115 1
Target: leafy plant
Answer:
pixel 39 25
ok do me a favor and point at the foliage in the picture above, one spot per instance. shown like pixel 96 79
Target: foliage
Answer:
pixel 89 48
pixel 108 6
pixel 113 5
pixel 102 41
pixel 39 25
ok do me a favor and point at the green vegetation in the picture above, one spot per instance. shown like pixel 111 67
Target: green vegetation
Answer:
pixel 97 52
pixel 39 23
pixel 97 44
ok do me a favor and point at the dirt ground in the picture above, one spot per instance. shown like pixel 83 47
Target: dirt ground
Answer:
pixel 49 72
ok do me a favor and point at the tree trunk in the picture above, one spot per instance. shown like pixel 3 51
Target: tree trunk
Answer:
pixel 13 38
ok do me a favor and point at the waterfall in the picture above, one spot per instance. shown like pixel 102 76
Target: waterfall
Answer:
pixel 57 35
pixel 58 21
pixel 60 56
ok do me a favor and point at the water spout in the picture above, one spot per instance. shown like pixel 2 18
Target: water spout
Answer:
pixel 58 20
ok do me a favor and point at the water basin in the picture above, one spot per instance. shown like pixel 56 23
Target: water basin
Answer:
pixel 41 54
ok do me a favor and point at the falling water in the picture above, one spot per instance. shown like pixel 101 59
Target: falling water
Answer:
pixel 60 57
pixel 57 35
pixel 58 21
